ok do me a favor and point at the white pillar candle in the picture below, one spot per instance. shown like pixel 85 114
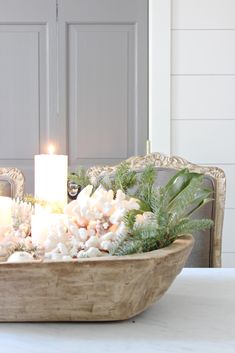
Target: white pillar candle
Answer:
pixel 51 172
pixel 5 211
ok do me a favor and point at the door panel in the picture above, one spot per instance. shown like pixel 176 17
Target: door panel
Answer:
pixel 20 49
pixel 28 81
pixel 101 71
pixel 105 72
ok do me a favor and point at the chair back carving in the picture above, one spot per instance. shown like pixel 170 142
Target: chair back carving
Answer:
pixel 11 182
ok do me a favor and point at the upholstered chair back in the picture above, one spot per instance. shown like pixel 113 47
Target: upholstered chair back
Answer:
pixel 207 248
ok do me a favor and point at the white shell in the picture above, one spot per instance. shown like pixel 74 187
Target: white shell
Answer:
pixel 81 253
pixel 92 242
pixel 117 215
pixel 67 258
pixel 93 223
pixel 73 252
pixel 106 245
pixel 62 249
pixel 20 256
pixel 107 236
pixel 83 234
pixel 93 252
pixel 74 230
pixel 56 256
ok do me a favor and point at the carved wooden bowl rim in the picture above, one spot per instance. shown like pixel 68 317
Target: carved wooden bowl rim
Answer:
pixel 181 243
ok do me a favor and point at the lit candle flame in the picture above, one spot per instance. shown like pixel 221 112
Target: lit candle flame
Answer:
pixel 51 149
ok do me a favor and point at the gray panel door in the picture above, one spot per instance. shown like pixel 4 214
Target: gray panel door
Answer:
pixel 103 79
pixel 27 82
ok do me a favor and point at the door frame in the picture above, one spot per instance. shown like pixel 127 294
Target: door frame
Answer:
pixel 160 75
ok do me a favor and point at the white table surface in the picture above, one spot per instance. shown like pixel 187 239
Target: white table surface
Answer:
pixel 197 314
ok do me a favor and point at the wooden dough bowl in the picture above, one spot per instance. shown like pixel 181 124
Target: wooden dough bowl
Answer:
pixel 100 289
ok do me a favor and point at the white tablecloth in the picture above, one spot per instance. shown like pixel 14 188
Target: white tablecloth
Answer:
pixel 197 314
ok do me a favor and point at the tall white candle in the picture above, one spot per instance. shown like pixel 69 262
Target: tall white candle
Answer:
pixel 5 211
pixel 51 173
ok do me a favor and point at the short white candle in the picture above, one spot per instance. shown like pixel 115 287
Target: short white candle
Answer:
pixel 51 172
pixel 5 211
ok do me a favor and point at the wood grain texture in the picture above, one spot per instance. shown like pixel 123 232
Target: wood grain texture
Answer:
pixel 100 289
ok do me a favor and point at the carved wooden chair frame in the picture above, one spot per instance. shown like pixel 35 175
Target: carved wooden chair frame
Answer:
pixel 16 180
pixel 177 163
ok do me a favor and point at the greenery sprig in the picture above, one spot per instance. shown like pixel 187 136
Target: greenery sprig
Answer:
pixel 170 207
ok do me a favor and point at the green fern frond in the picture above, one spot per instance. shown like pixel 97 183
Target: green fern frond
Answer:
pixel 191 225
pixel 128 247
pixel 125 178
pixel 146 184
pixel 129 219
pixel 145 230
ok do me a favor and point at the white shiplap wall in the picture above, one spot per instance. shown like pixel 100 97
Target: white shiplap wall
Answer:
pixel 203 93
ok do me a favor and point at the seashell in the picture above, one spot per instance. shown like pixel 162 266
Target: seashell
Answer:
pixel 56 256
pixel 91 232
pixel 28 241
pixel 117 215
pixel 81 222
pixel 85 193
pixel 83 234
pixel 67 258
pixel 91 225
pixel 106 245
pixel 73 252
pixel 139 219
pixel 121 230
pixel 93 241
pixel 99 192
pixel 110 195
pixel 47 256
pixel 107 209
pixel 113 228
pixel 74 230
pixel 105 225
pixel 107 236
pixel 49 244
pixel 75 241
pixel 62 249
pixel 20 256
pixel 120 196
pixel 81 253
pixel 18 234
pixel 148 216
pixel 93 252
pixel 68 209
